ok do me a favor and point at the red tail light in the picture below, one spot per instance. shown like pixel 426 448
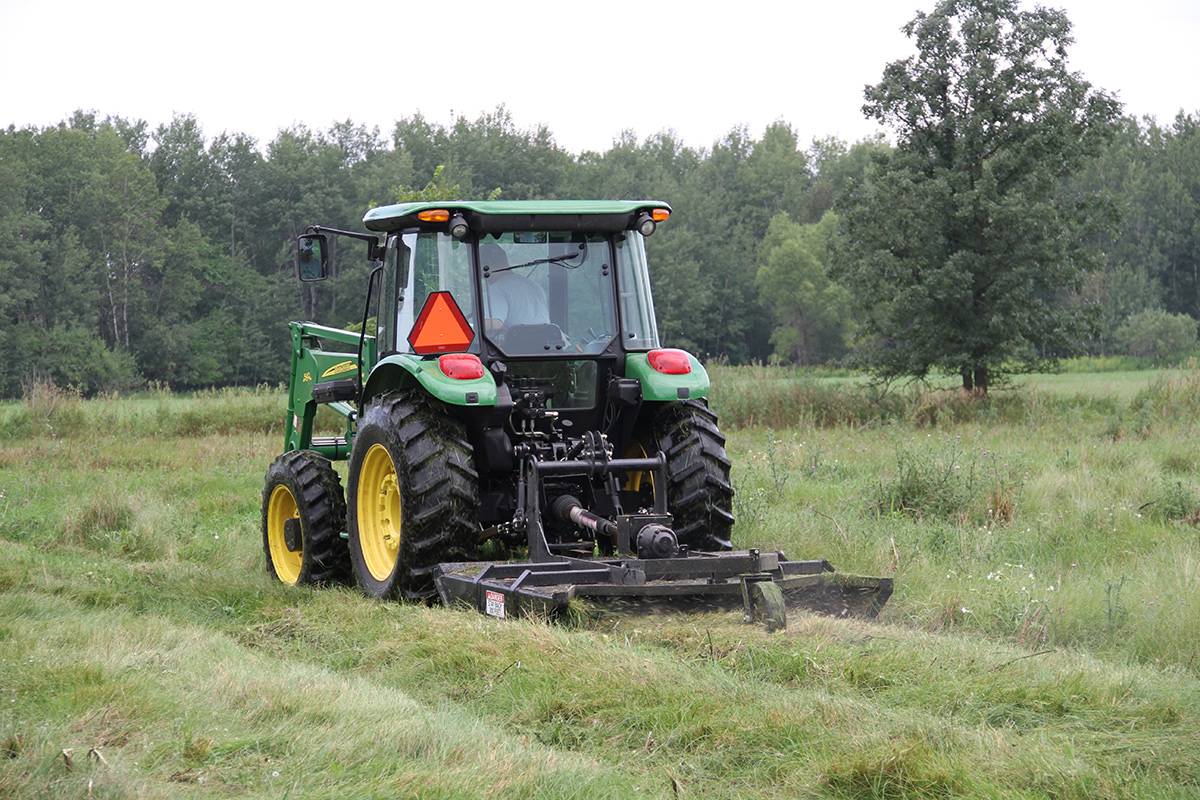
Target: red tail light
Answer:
pixel 670 361
pixel 461 366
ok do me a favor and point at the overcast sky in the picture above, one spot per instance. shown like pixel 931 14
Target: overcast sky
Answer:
pixel 586 69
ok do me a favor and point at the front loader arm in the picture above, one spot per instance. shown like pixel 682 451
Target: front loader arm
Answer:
pixel 312 365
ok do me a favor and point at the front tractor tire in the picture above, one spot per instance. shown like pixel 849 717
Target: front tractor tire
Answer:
pixel 699 491
pixel 303 514
pixel 413 496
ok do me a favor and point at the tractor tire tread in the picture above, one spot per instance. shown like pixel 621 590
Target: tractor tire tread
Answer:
pixel 699 490
pixel 439 490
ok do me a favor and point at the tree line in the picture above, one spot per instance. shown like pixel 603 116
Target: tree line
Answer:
pixel 1014 217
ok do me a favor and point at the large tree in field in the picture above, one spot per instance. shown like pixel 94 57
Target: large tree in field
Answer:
pixel 963 239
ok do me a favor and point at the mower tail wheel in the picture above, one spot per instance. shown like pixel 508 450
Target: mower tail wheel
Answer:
pixel 767 606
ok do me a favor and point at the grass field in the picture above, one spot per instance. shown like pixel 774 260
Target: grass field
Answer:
pixel 1043 640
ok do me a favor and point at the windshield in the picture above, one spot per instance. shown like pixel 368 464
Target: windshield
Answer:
pixel 548 292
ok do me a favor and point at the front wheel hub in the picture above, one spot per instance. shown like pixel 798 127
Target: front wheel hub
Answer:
pixel 292 538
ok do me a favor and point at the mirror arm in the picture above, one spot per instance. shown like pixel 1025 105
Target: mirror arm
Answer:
pixel 374 248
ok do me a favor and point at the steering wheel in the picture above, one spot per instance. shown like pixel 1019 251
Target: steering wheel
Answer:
pixel 594 339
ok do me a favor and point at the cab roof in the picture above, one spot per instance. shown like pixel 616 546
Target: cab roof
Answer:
pixel 491 216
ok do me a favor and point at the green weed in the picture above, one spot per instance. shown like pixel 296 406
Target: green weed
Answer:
pixel 99 517
pixel 953 485
pixel 1172 501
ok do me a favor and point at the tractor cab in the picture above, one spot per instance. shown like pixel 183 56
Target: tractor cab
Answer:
pixel 550 306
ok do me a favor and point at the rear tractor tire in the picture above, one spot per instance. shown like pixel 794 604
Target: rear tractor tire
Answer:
pixel 699 491
pixel 413 496
pixel 303 515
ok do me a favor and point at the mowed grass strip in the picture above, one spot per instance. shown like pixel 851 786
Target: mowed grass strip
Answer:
pixel 180 710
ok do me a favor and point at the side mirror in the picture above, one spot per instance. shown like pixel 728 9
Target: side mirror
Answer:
pixel 312 257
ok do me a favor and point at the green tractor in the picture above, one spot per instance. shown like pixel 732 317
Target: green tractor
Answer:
pixel 513 397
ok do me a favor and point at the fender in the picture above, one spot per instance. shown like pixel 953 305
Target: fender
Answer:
pixel 667 388
pixel 399 369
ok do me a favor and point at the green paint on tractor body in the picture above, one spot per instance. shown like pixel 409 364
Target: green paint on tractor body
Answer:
pixel 313 364
pixel 659 387
pixel 424 369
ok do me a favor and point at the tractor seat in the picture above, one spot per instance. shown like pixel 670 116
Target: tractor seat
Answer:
pixel 532 339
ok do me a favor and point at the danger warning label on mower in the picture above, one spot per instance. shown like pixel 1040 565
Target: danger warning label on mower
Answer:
pixel 494 604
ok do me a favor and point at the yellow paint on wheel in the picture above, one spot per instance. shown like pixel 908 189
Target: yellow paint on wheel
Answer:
pixel 378 511
pixel 280 508
pixel 633 481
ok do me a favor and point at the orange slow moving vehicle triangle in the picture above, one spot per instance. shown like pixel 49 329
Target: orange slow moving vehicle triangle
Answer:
pixel 440 327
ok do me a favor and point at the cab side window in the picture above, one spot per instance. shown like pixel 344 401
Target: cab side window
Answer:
pixel 386 318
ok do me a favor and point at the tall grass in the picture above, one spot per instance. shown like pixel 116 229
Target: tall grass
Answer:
pixel 47 410
pixel 760 396
pixel 1172 397
pixel 743 396
pixel 966 488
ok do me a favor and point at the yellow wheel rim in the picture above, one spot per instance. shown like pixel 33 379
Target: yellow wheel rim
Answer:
pixel 379 521
pixel 280 508
pixel 633 481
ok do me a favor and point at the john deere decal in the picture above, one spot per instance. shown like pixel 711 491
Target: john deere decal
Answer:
pixel 339 368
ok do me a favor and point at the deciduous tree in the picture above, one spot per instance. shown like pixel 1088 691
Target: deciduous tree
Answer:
pixel 962 240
